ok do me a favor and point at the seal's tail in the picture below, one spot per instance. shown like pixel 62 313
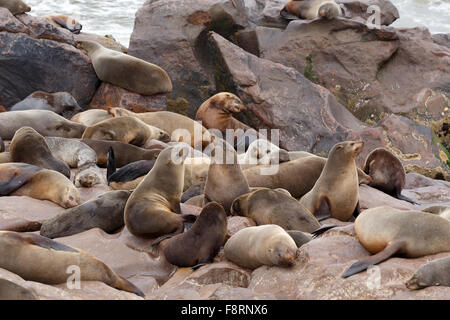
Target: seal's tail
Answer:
pixel 110 164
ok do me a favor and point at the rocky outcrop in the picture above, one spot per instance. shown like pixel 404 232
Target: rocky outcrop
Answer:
pixel 362 10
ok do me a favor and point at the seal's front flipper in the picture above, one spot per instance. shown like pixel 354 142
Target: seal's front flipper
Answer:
pixel 322 230
pixel 404 198
pixel 357 210
pixel 381 256
pixel 110 164
pixel 161 239
pixel 324 210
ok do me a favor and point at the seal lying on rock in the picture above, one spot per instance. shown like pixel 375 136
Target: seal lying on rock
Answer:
pixel 126 71
pixel 15 6
pixel 312 9
pixel 434 273
pixel 66 22
pixel 91 117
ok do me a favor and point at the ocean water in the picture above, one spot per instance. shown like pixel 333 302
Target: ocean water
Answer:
pixel 117 17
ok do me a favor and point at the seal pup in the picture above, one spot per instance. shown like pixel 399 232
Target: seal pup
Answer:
pixel 312 9
pixel 73 152
pixel 434 273
pixel 104 212
pixel 45 122
pixel 387 173
pixel 15 6
pixel 125 129
pixel 262 152
pixel 267 206
pixel 28 146
pixel 153 209
pixel 126 71
pixel 386 232
pixel 335 194
pixel 14 175
pixel 61 103
pixel 124 153
pixel 36 258
pixel 88 176
pixel 91 117
pixel 201 243
pixel 253 247
pixel 66 22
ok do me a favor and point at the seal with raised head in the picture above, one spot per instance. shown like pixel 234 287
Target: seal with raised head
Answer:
pixel 201 243
pixel 59 102
pixel 104 212
pixel 45 122
pixel 91 117
pixel 36 258
pixel 125 129
pixel 179 127
pixel 63 21
pixel 267 206
pixel 386 232
pixel 15 6
pixel 312 9
pixel 387 173
pixel 253 247
pixel 153 209
pixel 28 146
pixel 335 194
pixel 434 273
pixel 126 71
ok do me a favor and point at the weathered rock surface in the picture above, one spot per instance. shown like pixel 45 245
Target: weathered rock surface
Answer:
pixel 361 10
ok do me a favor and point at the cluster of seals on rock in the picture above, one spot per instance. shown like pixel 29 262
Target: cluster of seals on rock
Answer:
pixel 125 129
pixel 268 244
pixel 126 71
pixel 386 232
pixel 201 243
pixel 434 273
pixel 45 122
pixel 387 173
pixel 36 258
pixel 311 9
pixel 63 21
pixel 91 117
pixel 104 212
pixel 61 103
pixel 28 146
pixel 335 193
pixel 15 6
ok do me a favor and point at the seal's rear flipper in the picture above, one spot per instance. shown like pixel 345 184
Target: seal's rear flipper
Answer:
pixel 324 211
pixel 287 15
pixel 198 266
pixel 162 238
pixel 110 164
pixel 404 198
pixel 381 256
pixel 125 285
pixel 322 230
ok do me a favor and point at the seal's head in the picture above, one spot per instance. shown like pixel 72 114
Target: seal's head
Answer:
pixel 329 11
pixel 227 102
pixel 70 197
pixel 281 254
pixel 346 150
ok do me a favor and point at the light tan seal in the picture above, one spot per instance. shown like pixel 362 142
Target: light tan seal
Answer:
pixel 125 129
pixel 335 194
pixel 267 206
pixel 253 247
pixel 15 175
pixel 36 258
pixel 91 117
pixel 15 6
pixel 313 9
pixel 63 21
pixel 45 122
pixel 153 209
pixel 434 273
pixel 386 232
pixel 126 71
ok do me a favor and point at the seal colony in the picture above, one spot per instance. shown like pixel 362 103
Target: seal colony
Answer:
pixel 151 158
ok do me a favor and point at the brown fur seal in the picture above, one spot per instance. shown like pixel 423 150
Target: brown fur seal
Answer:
pixel 73 152
pixel 434 273
pixel 253 247
pixel 28 146
pixel 124 153
pixel 91 117
pixel 387 173
pixel 50 185
pixel 88 176
pixel 59 102
pixel 15 6
pixel 267 206
pixel 201 243
pixel 36 258
pixel 66 22
pixel 15 175
pixel 125 129
pixel 104 212
pixel 336 191
pixel 12 291
pixel 126 71
pixel 173 123
pixel 46 123
pixel 386 231
pixel 153 208
pixel 312 9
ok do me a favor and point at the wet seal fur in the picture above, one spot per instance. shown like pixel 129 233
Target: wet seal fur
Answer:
pixel 386 232
pixel 36 258
pixel 434 273
pixel 253 247
pixel 104 212
pixel 28 146
pixel 126 71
